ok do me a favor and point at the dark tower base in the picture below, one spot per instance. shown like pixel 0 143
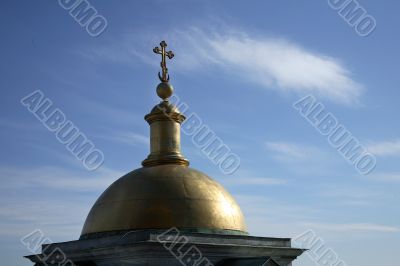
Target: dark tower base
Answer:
pixel 171 248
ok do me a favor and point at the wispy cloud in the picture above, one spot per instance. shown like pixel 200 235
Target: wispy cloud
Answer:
pixel 57 178
pixel 385 177
pixel 14 125
pixel 273 217
pixel 261 206
pixel 301 159
pixel 261 211
pixel 129 138
pixel 385 148
pixel 258 181
pixel 54 215
pixel 355 227
pixel 273 63
pixel 109 112
pixel 348 195
pixel 292 151
pixel 40 203
pixel 276 63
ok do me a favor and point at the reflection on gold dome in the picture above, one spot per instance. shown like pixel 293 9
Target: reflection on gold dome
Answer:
pixel 165 196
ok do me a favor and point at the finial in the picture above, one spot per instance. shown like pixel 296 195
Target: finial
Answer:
pixel 164 54
pixel 164 89
pixel 165 122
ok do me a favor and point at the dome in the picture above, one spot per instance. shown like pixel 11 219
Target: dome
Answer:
pixel 165 193
pixel 162 197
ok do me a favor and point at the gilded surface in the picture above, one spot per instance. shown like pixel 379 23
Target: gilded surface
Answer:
pixel 164 196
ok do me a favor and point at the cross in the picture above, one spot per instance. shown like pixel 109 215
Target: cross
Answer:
pixel 163 53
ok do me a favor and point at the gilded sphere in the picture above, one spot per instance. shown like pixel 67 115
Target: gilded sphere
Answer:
pixel 164 90
pixel 162 197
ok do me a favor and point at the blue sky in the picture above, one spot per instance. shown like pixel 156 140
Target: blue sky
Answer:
pixel 240 66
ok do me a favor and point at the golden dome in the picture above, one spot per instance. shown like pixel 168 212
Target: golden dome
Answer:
pixel 165 193
pixel 165 196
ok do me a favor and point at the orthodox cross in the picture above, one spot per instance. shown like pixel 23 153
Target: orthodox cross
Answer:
pixel 164 54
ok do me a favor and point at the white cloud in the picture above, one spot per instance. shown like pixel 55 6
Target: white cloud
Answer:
pixel 109 112
pixel 349 195
pixel 386 177
pixel 385 148
pixel 289 219
pixel 126 137
pixel 269 62
pixel 260 207
pixel 286 66
pixel 292 151
pixel 260 181
pixel 31 126
pixel 271 217
pixel 355 227
pixel 130 138
pixel 53 199
pixel 58 217
pixel 57 178
pixel 302 159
